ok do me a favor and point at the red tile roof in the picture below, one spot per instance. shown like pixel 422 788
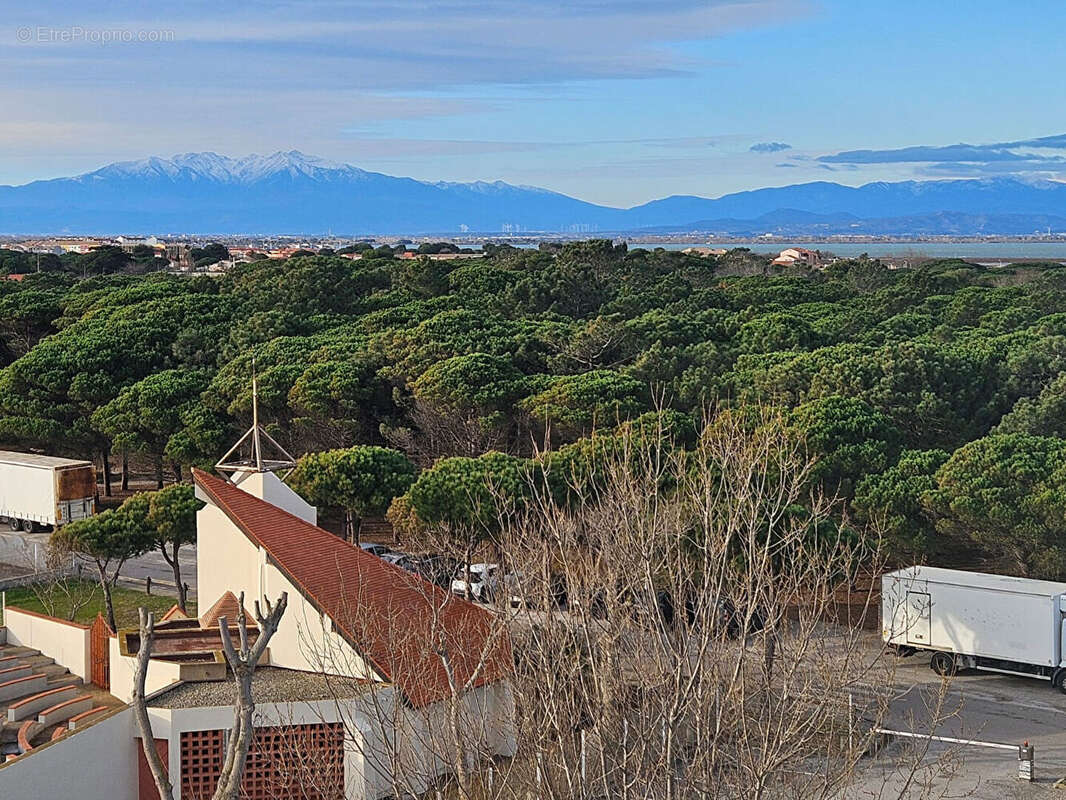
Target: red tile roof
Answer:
pixel 226 606
pixel 174 612
pixel 398 622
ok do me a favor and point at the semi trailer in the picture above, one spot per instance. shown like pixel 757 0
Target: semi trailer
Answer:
pixel 38 491
pixel 972 620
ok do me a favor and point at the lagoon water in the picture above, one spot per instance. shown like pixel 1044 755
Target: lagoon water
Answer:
pixel 974 251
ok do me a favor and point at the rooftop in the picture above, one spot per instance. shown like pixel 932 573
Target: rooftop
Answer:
pixel 36 460
pixel 269 685
pixel 397 621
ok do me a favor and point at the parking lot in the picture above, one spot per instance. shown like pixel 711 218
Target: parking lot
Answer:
pixel 980 707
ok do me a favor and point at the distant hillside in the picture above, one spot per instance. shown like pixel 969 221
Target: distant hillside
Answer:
pixel 876 200
pixel 789 222
pixel 295 193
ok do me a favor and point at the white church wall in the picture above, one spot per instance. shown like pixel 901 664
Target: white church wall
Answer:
pixel 269 487
pixel 226 560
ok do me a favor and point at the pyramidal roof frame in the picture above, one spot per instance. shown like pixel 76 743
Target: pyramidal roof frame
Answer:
pixel 253 440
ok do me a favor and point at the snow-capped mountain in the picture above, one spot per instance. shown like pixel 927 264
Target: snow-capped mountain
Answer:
pixel 290 192
pixel 285 192
pixel 223 169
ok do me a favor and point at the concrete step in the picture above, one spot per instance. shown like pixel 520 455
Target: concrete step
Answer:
pixel 51 670
pixel 86 717
pixel 31 706
pixel 28 731
pixel 64 710
pixel 18 688
pixel 18 650
pixel 66 679
pixel 37 660
pixel 9 673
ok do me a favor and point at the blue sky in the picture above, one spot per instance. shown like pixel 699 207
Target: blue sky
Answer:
pixel 614 102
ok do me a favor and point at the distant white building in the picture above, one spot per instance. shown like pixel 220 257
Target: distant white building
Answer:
pixel 798 255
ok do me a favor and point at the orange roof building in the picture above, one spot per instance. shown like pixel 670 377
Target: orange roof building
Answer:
pixel 358 682
pixel 400 627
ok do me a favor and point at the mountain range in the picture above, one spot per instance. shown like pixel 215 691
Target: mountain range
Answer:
pixel 289 192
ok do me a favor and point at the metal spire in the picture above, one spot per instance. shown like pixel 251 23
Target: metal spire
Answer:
pixel 257 447
pixel 253 439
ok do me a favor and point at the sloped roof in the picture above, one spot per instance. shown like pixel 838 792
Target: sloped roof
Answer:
pixel 227 606
pixel 174 612
pixel 396 620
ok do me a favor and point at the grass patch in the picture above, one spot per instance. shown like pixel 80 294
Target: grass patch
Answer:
pixel 89 599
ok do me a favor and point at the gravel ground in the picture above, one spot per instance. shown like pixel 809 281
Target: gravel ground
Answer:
pixel 269 685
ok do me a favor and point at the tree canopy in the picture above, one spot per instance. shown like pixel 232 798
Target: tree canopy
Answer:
pixel 896 379
pixel 362 480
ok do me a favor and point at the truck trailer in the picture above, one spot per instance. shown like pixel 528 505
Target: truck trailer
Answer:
pixel 972 620
pixel 37 491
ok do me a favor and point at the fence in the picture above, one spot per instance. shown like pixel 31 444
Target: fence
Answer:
pixel 1025 752
pixel 159 586
pixel 22 556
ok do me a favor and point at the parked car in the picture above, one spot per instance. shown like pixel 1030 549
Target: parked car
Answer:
pixel 487 583
pixel 375 548
pixel 394 557
pixel 726 617
pixel 436 569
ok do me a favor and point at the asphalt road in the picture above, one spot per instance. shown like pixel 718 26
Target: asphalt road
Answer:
pixel 23 549
pixel 977 708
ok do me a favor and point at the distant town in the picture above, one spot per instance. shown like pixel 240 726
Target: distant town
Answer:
pixel 217 254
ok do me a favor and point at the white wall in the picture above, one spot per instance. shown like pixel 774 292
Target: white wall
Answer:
pixel 424 740
pixel 268 486
pixel 362 781
pixel 305 639
pixel 65 642
pixel 227 560
pixel 160 674
pixel 171 723
pixel 97 763
pixel 487 715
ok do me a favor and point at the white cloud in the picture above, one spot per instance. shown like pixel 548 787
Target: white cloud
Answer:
pixel 401 45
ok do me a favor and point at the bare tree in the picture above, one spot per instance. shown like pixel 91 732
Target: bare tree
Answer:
pixel 441 433
pixel 242 662
pixel 58 591
pixel 689 624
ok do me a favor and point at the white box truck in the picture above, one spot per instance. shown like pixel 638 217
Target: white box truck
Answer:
pixel 41 490
pixel 971 620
